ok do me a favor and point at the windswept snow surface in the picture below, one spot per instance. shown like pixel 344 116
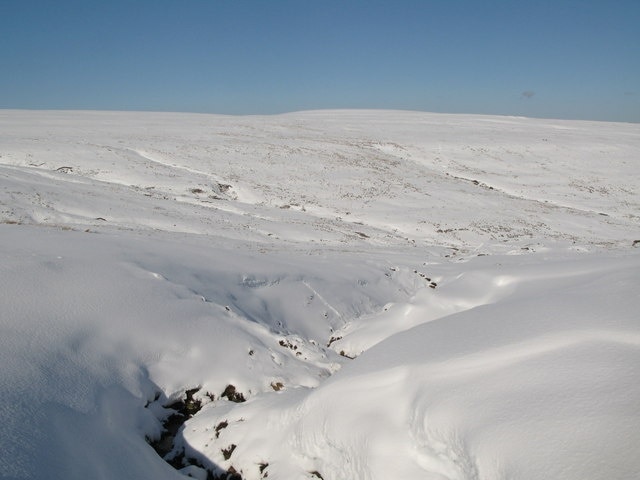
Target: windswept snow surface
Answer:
pixel 394 294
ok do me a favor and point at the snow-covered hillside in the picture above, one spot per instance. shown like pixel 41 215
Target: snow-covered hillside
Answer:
pixel 335 294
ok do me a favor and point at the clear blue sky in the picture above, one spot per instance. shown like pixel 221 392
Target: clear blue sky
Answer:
pixel 548 58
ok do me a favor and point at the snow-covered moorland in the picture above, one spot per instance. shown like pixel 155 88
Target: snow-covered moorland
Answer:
pixel 335 295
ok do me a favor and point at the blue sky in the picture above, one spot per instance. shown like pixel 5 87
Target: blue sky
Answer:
pixel 556 59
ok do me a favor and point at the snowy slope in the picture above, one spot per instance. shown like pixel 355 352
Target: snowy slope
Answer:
pixel 393 294
pixel 541 384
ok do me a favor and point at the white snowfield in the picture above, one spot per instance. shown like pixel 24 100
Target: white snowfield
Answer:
pixel 335 294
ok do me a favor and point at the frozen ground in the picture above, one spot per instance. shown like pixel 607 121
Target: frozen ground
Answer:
pixel 389 294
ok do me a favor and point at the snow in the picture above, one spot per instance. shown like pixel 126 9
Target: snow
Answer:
pixel 395 295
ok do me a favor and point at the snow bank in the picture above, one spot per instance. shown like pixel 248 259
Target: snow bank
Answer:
pixel 541 383
pixel 96 326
